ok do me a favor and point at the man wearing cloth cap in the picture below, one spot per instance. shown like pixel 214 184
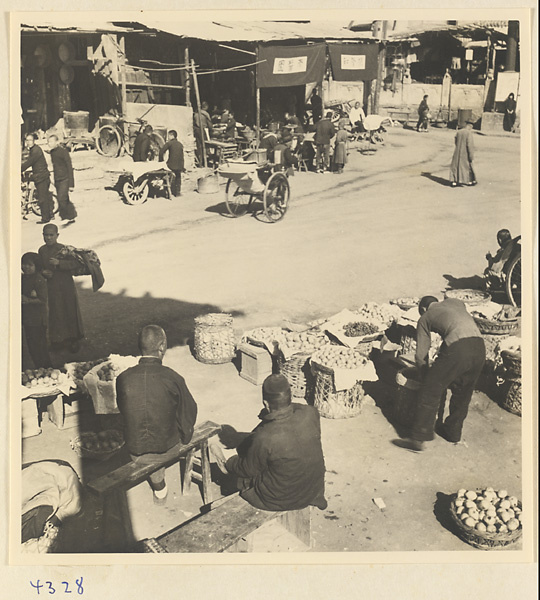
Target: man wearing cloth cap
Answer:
pixel 461 169
pixel 457 366
pixel 280 465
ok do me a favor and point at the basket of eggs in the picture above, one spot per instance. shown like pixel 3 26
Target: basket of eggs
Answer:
pixel 97 446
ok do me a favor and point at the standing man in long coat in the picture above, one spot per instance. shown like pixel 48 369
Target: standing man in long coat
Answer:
pixel 175 160
pixel 40 176
pixel 324 132
pixel 64 182
pixel 461 169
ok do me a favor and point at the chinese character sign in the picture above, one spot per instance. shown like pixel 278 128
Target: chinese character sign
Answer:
pixel 351 61
pixel 281 66
pixel 296 64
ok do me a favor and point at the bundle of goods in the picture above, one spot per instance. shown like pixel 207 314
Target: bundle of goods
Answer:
pixel 77 371
pixel 504 322
pixel 99 446
pixel 214 338
pixel 88 263
pixel 408 387
pixel 486 519
pixel 45 382
pixel 406 303
pixel 100 382
pixel 469 297
pixel 338 371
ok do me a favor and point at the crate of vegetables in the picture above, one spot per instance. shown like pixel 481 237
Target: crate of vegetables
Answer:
pixel 97 446
pixel 486 518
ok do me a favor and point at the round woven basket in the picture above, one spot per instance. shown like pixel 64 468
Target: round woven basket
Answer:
pixel 470 297
pixel 77 445
pixel 331 404
pixel 489 327
pixel 511 396
pixel 298 374
pixel 214 338
pixel 482 539
pixel 407 396
pixel 512 362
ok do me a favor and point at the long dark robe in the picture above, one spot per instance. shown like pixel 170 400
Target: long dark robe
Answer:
pixel 340 152
pixel 65 321
pixel 461 170
pixel 509 114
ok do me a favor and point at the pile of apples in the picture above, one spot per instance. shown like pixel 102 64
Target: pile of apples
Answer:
pixel 339 357
pixel 104 441
pixel 488 511
pixel 108 372
pixel 38 377
pixel 82 368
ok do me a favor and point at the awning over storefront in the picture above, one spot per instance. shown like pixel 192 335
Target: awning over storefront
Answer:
pixel 283 66
pixel 353 62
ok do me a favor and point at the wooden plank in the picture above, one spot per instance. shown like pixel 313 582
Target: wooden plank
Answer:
pixel 188 472
pixel 218 529
pixel 298 522
pixel 141 85
pixel 132 474
pixel 206 474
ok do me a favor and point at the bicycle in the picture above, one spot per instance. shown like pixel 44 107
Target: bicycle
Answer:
pixel 116 139
pixel 29 201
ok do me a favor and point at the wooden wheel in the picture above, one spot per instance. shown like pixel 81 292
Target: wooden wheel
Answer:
pixel 513 281
pixel 276 197
pixel 135 194
pixel 109 141
pixel 236 199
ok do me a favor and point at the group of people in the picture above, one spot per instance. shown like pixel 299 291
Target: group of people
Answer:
pixel 51 317
pixel 63 177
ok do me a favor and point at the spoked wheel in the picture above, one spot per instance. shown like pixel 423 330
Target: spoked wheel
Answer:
pixel 237 201
pixel 109 141
pixel 513 282
pixel 276 197
pixel 135 194
pixel 34 204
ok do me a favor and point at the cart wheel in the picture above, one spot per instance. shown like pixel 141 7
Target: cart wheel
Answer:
pixel 135 194
pixel 236 199
pixel 276 197
pixel 109 141
pixel 513 282
pixel 34 204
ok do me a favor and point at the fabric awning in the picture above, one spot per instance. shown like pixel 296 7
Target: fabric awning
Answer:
pixel 353 62
pixel 284 66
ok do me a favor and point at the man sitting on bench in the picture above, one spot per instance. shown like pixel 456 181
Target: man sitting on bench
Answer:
pixel 158 410
pixel 280 465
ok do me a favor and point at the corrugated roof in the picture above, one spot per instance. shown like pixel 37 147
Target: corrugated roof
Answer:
pixel 256 31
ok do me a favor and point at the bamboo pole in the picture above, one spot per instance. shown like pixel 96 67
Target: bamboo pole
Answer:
pixel 187 81
pixel 122 67
pixel 198 100
pixel 258 114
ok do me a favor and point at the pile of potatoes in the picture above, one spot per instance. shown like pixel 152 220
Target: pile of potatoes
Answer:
pixel 294 343
pixel 488 511
pixel 339 357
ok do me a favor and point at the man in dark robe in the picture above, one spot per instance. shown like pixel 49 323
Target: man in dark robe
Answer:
pixel 175 160
pixel 65 321
pixel 461 169
pixel 64 182
pixel 423 115
pixel 141 148
pixel 509 113
pixel 40 176
pixel 316 106
pixel 324 132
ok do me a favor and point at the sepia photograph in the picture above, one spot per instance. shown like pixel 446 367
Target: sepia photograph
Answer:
pixel 270 296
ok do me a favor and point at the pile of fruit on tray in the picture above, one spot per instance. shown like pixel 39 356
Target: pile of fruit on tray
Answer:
pixel 100 445
pixel 306 342
pixel 379 314
pixel 360 328
pixel 339 357
pixel 406 302
pixel 33 378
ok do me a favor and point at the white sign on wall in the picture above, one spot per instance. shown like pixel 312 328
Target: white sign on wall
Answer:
pixel 353 61
pixel 295 64
pixel 506 83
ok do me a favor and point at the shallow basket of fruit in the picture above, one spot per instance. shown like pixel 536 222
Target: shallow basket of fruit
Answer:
pixel 486 518
pixel 470 297
pixel 44 382
pixel 97 446
pixel 406 303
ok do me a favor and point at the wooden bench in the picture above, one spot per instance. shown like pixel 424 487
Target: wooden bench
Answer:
pixel 131 474
pixel 403 115
pixel 228 526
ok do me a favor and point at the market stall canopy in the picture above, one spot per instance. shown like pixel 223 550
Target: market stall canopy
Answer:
pixel 353 62
pixel 283 66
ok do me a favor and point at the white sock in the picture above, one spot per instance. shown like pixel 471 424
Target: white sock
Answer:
pixel 160 494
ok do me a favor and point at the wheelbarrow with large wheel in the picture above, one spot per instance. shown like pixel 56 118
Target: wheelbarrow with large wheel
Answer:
pixel 250 184
pixel 138 179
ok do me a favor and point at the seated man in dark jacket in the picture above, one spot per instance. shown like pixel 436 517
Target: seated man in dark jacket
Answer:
pixel 280 465
pixel 158 409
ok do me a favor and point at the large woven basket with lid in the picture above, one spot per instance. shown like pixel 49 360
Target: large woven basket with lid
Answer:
pixel 214 341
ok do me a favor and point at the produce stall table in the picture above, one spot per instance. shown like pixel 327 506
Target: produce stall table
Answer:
pixel 219 152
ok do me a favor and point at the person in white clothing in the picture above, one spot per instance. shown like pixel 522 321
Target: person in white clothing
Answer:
pixel 357 116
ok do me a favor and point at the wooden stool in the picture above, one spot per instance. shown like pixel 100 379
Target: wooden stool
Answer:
pixel 203 462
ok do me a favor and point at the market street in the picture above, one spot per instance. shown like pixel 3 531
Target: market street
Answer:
pixel 388 227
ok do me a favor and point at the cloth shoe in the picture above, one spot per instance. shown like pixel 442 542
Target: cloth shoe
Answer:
pixel 160 496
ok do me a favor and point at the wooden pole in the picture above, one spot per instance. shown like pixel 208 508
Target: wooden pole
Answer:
pixel 258 114
pixel 122 67
pixel 381 56
pixel 198 100
pixel 187 81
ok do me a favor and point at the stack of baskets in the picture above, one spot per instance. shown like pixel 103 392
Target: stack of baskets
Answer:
pixel 494 327
pixel 408 387
pixel 331 403
pixel 511 386
pixel 214 338
pixel 298 374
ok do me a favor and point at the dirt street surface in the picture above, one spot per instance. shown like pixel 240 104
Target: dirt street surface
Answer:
pixel 388 226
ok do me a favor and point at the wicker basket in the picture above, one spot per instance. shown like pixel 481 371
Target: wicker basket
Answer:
pixel 511 396
pixel 214 338
pixel 331 404
pixel 487 326
pixel 482 539
pixel 407 396
pixel 298 374
pixel 408 340
pixel 512 362
pixel 470 297
pixel 77 445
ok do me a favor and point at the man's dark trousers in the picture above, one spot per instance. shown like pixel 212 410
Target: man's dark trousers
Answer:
pixel 44 199
pixel 457 367
pixel 65 206
pixel 176 184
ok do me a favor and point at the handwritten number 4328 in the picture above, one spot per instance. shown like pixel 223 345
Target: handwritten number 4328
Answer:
pixel 48 587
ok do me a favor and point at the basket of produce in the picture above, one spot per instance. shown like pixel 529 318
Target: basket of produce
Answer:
pixel 214 338
pixel 406 303
pixel 512 362
pixel 40 383
pixel 511 395
pixel 298 374
pixel 408 388
pixel 78 370
pixel 486 519
pixel 382 314
pixel 338 372
pixel 496 326
pixel 305 342
pixel 100 382
pixel 470 297
pixel 265 337
pixel 97 446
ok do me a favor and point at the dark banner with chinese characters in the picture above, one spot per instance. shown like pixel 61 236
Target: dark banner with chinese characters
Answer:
pixel 353 62
pixel 284 66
